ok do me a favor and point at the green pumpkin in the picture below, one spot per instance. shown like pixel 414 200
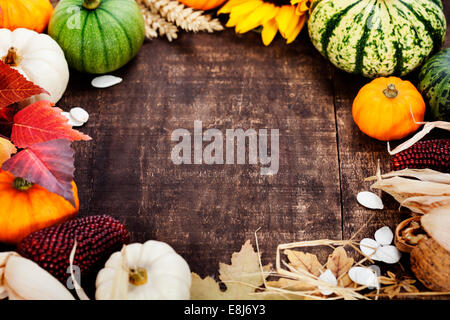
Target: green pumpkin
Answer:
pixel 434 83
pixel 377 37
pixel 98 36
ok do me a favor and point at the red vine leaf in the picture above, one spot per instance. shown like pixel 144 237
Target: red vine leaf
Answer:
pixel 14 87
pixel 6 150
pixel 7 113
pixel 41 122
pixel 49 164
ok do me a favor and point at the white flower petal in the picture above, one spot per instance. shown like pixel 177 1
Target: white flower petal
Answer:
pixel 79 114
pixel 72 121
pixel 364 276
pixel 388 254
pixel 327 277
pixel 369 200
pixel 369 247
pixel 105 81
pixel 384 235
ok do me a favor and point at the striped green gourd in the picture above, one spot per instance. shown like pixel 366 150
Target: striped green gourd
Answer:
pixel 98 36
pixel 434 84
pixel 377 37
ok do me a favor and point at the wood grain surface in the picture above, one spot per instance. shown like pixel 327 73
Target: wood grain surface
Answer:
pixel 206 212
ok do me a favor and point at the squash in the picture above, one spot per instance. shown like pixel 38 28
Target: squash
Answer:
pixel 434 84
pixel 203 4
pixel 384 107
pixel 149 271
pixel 37 57
pixel 98 36
pixel 27 14
pixel 377 37
pixel 26 207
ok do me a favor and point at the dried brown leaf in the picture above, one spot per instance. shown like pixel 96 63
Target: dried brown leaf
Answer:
pixel 339 263
pixel 304 261
pixel 241 278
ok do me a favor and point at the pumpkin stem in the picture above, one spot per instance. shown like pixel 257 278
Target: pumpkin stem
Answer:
pixel 21 184
pixel 12 58
pixel 391 92
pixel 137 276
pixel 91 4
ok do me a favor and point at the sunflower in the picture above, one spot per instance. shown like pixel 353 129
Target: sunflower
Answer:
pixel 286 16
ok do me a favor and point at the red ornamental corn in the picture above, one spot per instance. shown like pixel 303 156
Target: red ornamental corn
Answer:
pixel 432 154
pixel 97 238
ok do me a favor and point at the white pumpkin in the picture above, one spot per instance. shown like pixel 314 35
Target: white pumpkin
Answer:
pixel 38 58
pixel 149 271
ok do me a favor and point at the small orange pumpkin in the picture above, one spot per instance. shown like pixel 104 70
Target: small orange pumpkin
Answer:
pixel 29 14
pixel 202 4
pixel 25 208
pixel 383 108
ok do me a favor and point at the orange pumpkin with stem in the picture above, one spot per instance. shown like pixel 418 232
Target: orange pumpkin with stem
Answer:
pixel 29 14
pixel 388 108
pixel 26 207
pixel 202 4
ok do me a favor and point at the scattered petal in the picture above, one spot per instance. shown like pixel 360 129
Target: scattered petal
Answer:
pixel 388 254
pixel 369 200
pixel 384 235
pixel 105 81
pixel 369 247
pixel 79 114
pixel 364 276
pixel 72 121
pixel 329 278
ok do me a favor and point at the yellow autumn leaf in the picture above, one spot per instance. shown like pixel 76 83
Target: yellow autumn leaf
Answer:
pixel 304 261
pixel 241 278
pixel 6 150
pixel 291 284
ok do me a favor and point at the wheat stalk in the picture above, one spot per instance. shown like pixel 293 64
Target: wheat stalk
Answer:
pixel 155 24
pixel 187 19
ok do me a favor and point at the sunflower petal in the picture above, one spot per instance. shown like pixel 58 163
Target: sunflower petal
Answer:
pixel 294 33
pixel 240 11
pixel 269 31
pixel 258 17
pixel 284 19
pixel 229 6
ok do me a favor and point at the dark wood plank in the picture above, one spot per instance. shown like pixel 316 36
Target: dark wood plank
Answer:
pixel 207 212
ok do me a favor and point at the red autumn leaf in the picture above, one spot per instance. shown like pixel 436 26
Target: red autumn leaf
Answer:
pixel 41 122
pixel 7 113
pixel 49 164
pixel 14 87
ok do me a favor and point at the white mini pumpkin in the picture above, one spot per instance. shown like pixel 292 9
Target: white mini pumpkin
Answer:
pixel 37 57
pixel 149 271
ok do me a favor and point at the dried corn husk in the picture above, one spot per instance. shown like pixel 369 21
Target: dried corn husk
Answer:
pixel 428 126
pixel 431 190
pixel 421 174
pixel 437 224
pixel 424 204
pixel 23 279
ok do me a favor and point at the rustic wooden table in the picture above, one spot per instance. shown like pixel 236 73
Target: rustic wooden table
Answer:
pixel 206 212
